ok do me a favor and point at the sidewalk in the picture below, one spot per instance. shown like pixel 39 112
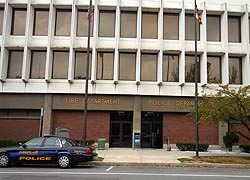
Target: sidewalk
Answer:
pixel 161 157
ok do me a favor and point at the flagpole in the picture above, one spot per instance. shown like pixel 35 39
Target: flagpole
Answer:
pixel 196 86
pixel 87 76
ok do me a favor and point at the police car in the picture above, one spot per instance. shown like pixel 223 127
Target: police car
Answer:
pixel 47 150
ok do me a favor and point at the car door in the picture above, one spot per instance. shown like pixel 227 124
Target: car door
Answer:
pixel 50 148
pixel 29 152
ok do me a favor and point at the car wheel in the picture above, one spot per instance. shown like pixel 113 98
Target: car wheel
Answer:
pixel 4 160
pixel 64 161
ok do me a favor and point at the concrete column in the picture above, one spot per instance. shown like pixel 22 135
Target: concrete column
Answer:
pixel 136 117
pixel 222 128
pixel 47 116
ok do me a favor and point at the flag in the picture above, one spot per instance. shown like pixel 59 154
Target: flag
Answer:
pixel 90 12
pixel 198 14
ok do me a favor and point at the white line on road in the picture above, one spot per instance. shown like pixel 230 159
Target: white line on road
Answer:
pixel 111 167
pixel 131 174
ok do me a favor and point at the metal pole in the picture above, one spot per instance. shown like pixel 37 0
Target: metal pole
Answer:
pixel 41 124
pixel 87 76
pixel 196 87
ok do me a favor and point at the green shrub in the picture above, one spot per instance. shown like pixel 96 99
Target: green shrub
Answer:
pixel 89 142
pixel 245 148
pixel 230 139
pixel 7 143
pixel 186 146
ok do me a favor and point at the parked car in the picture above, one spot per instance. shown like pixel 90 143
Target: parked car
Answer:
pixel 47 150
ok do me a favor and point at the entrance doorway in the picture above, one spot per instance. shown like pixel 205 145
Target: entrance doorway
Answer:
pixel 121 124
pixel 151 130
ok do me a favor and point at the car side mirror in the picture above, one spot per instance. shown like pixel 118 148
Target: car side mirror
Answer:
pixel 22 145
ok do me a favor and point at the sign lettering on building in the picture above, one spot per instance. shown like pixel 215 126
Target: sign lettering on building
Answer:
pixel 102 101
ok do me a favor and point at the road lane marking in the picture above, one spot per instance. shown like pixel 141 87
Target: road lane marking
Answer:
pixel 111 167
pixel 130 174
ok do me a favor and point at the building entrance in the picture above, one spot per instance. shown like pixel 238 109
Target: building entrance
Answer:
pixel 121 124
pixel 151 130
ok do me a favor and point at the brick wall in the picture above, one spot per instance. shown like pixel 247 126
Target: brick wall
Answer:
pixel 179 128
pixel 98 123
pixel 19 129
pixel 242 129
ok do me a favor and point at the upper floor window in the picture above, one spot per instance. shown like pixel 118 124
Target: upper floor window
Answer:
pixel 235 70
pixel 234 29
pixel 189 28
pixel 213 28
pixel 214 69
pixel 38 63
pixel 106 23
pixel 41 20
pixel 170 68
pixel 15 64
pixel 171 26
pixel 190 68
pixel 80 65
pixel 148 67
pixel 18 21
pixel 63 22
pixel 1 19
pixel 105 65
pixel 127 66
pixel 83 23
pixel 149 25
pixel 60 64
pixel 128 24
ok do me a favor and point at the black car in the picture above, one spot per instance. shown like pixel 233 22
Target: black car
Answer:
pixel 47 150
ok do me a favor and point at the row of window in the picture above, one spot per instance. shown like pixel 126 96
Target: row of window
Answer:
pixel 127 66
pixel 128 24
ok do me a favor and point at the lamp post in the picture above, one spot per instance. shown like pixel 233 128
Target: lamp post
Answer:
pixel 90 12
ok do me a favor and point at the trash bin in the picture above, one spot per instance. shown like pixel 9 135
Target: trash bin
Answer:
pixel 101 143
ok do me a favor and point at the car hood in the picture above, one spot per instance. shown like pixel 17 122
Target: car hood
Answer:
pixel 5 149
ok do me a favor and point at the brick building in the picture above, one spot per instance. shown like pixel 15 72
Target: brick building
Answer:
pixel 141 70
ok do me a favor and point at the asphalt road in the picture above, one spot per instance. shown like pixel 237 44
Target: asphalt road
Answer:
pixel 121 173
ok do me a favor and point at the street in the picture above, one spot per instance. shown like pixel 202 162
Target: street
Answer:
pixel 120 173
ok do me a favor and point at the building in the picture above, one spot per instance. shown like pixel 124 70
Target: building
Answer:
pixel 141 73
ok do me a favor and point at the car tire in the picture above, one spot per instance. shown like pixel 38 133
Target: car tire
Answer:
pixel 64 161
pixel 4 160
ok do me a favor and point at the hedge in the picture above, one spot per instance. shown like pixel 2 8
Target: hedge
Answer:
pixel 186 146
pixel 245 148
pixel 7 143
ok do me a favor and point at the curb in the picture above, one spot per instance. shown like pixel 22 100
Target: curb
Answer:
pixel 169 165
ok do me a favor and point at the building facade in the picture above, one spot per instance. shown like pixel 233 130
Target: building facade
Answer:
pixel 141 76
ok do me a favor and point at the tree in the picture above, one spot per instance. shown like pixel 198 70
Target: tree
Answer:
pixel 228 106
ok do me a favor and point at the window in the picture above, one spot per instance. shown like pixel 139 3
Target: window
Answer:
pixel 60 64
pixel 189 28
pixel 128 24
pixel 171 26
pixel 150 25
pixel 83 23
pixel 190 68
pixel 105 65
pixel 35 142
pixel 106 23
pixel 127 65
pixel 38 62
pixel 148 67
pixel 235 70
pixel 170 68
pixel 234 29
pixel 17 113
pixel 213 28
pixel 18 22
pixel 1 19
pixel 15 64
pixel 80 65
pixel 52 142
pixel 41 19
pixel 214 69
pixel 63 22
